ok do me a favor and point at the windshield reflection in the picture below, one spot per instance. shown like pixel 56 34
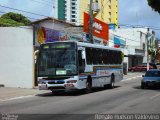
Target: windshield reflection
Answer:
pixel 57 62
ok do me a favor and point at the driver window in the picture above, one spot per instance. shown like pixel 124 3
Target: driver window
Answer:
pixel 81 62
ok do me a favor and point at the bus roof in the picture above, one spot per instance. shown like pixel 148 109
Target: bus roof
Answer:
pixel 83 44
pixel 97 46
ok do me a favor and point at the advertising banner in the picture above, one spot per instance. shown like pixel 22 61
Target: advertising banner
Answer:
pixel 100 29
pixel 45 35
pixel 118 42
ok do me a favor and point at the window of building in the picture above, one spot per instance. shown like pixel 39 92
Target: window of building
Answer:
pixel 73 12
pixel 109 6
pixel 73 20
pixel 73 16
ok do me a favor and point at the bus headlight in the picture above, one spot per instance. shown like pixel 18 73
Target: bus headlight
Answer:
pixel 72 81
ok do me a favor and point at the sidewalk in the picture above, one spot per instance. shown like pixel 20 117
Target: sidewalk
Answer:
pixel 132 75
pixel 7 93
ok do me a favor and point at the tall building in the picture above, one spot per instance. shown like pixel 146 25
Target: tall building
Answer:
pixel 72 10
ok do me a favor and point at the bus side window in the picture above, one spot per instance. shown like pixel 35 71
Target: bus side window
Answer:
pixel 81 61
pixel 105 56
pixel 89 56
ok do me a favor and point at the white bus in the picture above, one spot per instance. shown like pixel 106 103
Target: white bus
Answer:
pixel 78 66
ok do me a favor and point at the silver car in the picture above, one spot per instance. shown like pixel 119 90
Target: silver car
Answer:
pixel 151 78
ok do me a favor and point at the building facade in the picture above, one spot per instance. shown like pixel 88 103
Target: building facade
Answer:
pixel 139 42
pixel 73 10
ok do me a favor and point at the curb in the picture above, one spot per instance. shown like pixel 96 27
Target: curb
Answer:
pixel 1 85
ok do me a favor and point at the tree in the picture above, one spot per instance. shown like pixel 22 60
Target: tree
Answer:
pixel 155 5
pixel 13 19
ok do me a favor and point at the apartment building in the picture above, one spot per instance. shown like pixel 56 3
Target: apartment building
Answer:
pixel 73 10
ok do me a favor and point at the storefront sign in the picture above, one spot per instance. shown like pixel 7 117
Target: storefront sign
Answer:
pixel 112 26
pixel 119 42
pixel 100 29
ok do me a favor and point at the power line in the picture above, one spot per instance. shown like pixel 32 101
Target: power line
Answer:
pixel 25 16
pixel 2 12
pixel 23 11
pixel 125 37
pixel 44 3
pixel 47 1
pixel 139 26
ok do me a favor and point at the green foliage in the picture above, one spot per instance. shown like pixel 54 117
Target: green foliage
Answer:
pixel 152 52
pixel 13 19
pixel 155 5
pixel 8 22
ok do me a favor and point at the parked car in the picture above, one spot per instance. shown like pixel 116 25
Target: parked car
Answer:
pixel 151 78
pixel 142 67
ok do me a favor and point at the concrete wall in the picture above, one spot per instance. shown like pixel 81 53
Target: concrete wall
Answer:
pixel 51 24
pixel 16 57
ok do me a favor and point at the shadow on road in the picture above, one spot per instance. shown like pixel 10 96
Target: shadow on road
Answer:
pixel 157 88
pixel 72 93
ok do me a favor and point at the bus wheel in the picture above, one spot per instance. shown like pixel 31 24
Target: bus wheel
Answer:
pixel 88 88
pixel 111 85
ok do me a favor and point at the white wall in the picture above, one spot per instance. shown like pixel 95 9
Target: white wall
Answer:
pixel 51 24
pixel 16 57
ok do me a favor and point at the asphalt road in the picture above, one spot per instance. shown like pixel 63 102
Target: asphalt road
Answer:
pixel 126 98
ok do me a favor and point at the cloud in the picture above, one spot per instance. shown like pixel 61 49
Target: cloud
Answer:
pixel 137 12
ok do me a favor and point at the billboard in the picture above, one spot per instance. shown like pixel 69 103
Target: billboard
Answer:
pixel 45 35
pixel 118 42
pixel 100 29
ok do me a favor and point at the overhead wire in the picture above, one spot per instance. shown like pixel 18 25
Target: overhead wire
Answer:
pixel 44 3
pixel 126 25
pixel 22 11
pixel 139 26
pixel 25 16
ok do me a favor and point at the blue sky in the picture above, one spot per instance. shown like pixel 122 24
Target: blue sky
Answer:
pixel 132 12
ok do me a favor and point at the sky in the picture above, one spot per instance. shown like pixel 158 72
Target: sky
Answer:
pixel 130 12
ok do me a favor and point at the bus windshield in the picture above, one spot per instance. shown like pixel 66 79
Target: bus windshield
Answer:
pixel 57 62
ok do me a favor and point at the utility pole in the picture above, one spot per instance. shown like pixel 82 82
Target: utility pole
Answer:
pixel 91 22
pixel 147 49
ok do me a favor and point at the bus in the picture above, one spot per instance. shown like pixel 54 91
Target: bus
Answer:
pixel 69 66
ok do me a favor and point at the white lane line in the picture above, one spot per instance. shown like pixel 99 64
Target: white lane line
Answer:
pixel 157 95
pixel 15 98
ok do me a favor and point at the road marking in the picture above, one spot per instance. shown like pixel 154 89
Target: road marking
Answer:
pixel 15 98
pixel 155 96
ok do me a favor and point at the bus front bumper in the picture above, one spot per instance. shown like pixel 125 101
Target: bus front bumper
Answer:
pixel 46 86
